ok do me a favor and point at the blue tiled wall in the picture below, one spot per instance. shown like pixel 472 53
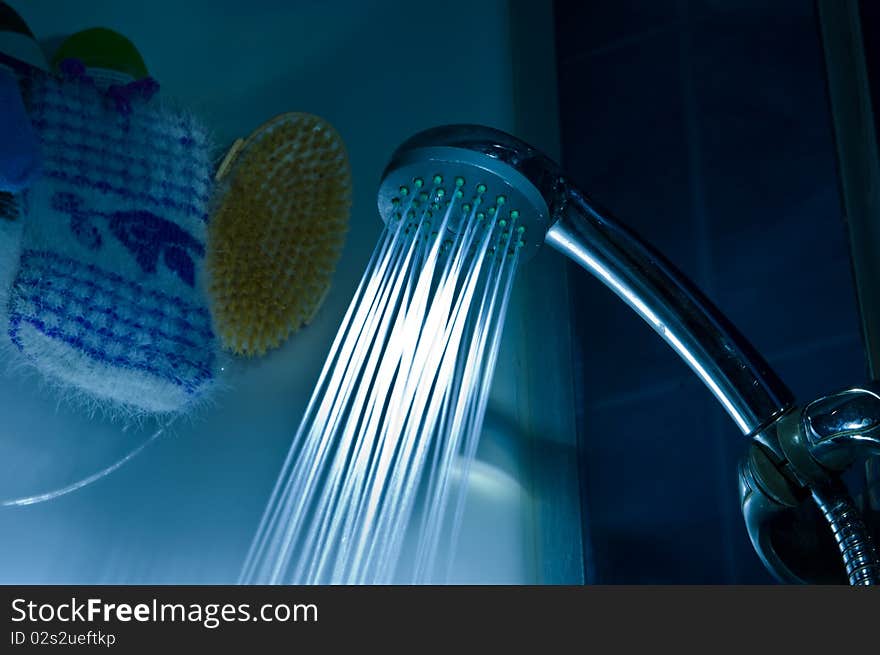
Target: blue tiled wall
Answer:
pixel 705 126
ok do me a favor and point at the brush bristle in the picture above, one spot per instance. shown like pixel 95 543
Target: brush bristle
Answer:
pixel 278 232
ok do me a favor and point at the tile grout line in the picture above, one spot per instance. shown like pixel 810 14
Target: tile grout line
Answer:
pixel 620 43
pixel 672 384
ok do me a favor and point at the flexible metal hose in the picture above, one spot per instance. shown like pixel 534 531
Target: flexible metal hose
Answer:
pixel 860 558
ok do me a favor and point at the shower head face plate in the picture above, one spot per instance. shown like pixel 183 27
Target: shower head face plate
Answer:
pixel 480 173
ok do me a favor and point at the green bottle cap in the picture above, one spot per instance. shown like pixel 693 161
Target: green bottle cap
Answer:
pixel 103 49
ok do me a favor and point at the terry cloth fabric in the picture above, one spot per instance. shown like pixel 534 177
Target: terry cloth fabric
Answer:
pixel 19 147
pixel 108 295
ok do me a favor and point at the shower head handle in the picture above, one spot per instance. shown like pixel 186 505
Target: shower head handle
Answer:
pixel 555 211
pixel 721 357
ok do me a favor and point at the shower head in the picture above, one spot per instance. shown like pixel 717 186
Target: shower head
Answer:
pixel 466 164
pixel 482 166
pixel 489 165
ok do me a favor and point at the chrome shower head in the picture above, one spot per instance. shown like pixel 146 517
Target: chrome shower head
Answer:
pixel 481 165
pixel 485 164
pixel 493 164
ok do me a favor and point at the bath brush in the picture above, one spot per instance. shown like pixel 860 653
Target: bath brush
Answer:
pixel 107 299
pixel 277 230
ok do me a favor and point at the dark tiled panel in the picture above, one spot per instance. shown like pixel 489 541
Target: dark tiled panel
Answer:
pixel 733 136
pixel 756 10
pixel 586 25
pixel 776 231
pixel 624 136
pixel 869 15
pixel 820 367
pixel 670 553
pixel 649 474
pixel 624 143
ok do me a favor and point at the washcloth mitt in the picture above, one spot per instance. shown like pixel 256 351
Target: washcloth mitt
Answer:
pixel 108 301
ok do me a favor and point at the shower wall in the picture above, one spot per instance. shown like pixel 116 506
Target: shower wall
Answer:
pixel 704 125
pixel 185 510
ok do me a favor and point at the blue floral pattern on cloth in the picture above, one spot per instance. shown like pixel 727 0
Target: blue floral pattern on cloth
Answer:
pixel 108 295
pixel 144 234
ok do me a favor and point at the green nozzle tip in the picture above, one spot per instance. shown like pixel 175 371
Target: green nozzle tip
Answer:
pixel 438 179
pixel 521 229
pixel 459 181
pixel 423 196
pixel 500 200
pixel 395 202
pixel 514 214
pixel 440 193
pixel 481 188
pixel 480 216
pixel 490 211
pixel 466 207
pixel 502 222
pixel 418 182
pixel 403 190
pixel 459 193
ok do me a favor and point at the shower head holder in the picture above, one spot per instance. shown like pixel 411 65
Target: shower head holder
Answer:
pixel 819 441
